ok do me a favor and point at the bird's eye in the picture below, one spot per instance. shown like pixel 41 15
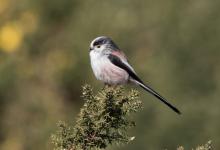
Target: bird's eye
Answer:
pixel 98 42
pixel 98 46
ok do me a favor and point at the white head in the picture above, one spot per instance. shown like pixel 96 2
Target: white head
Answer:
pixel 103 43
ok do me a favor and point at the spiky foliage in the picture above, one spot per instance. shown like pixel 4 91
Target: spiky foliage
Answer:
pixel 103 120
pixel 207 146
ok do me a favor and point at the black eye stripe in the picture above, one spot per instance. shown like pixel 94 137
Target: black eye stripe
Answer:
pixel 99 42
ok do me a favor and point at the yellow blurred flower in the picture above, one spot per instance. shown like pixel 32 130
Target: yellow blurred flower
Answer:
pixel 11 37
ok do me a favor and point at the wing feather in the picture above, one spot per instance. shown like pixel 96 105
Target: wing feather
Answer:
pixel 124 65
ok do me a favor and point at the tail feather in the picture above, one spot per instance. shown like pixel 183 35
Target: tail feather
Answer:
pixel 150 90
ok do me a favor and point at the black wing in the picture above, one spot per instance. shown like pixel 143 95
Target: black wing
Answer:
pixel 117 61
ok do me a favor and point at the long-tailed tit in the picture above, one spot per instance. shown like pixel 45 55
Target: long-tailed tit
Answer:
pixel 110 65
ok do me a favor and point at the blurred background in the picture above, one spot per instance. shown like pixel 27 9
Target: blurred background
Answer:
pixel 173 45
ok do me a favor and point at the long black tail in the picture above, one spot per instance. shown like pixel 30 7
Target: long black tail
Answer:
pixel 150 90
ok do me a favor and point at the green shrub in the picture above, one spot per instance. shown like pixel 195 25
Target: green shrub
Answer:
pixel 103 120
pixel 207 146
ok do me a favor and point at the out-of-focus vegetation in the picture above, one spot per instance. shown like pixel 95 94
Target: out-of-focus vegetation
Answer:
pixel 173 45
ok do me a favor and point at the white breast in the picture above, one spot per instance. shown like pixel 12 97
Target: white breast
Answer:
pixel 105 71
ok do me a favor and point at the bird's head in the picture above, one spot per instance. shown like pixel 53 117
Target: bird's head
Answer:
pixel 103 43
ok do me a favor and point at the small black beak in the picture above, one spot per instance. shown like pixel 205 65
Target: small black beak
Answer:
pixel 90 49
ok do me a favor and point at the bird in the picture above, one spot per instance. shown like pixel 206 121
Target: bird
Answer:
pixel 110 65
